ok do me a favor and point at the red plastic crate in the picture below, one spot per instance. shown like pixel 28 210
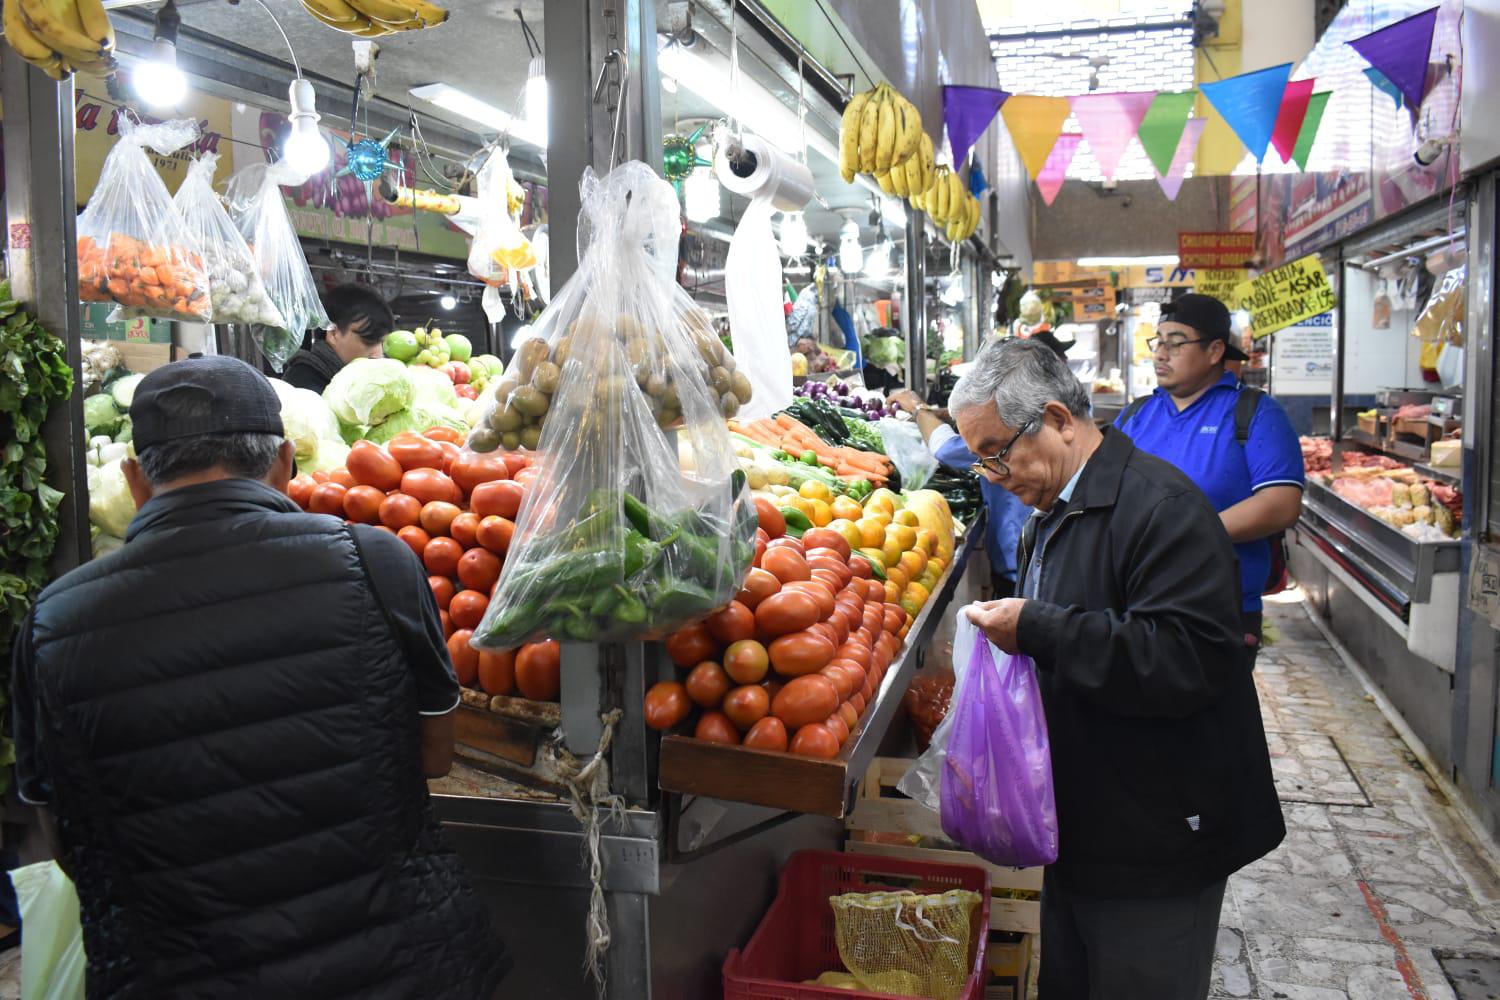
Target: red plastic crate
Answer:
pixel 795 939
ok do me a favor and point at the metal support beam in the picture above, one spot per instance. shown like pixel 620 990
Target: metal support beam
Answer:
pixel 914 303
pixel 41 211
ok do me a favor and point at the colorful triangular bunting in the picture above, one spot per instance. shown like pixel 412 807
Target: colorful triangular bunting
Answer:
pixel 1384 85
pixel 1400 52
pixel 1034 124
pixel 1161 130
pixel 1289 118
pixel 1316 104
pixel 1109 122
pixel 1249 104
pixel 968 111
pixel 1049 180
pixel 1187 146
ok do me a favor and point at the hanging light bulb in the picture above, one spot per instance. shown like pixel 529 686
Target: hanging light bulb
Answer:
pixel 851 257
pixel 794 236
pixel 700 194
pixel 448 301
pixel 535 96
pixel 305 148
pixel 158 81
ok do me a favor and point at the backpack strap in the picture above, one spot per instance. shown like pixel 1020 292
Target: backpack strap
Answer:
pixel 1128 414
pixel 1244 411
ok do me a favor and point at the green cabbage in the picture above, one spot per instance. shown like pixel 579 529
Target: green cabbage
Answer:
pixel 432 388
pixel 306 420
pixel 331 454
pixel 123 390
pixel 110 504
pixel 418 419
pixel 367 390
pixel 101 415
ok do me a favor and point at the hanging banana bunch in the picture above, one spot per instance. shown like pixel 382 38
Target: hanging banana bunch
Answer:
pixel 375 18
pixel 880 133
pixel 61 36
pixel 950 205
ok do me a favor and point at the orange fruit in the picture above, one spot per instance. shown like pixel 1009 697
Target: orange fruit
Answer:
pixel 871 532
pixel 926 540
pixel 821 515
pixel 918 593
pixel 847 508
pixel 812 489
pixel 849 530
pixel 905 536
pixel 907 518
pixel 892 551
pixel 892 592
pixel 913 562
pixel 898 576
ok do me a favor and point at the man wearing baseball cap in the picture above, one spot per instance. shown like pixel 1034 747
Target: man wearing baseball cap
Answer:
pixel 229 721
pixel 1233 441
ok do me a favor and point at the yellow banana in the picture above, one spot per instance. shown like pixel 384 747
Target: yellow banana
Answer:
pixel 393 12
pixel 56 23
pixel 911 174
pixel 939 200
pixel 336 13
pixel 360 22
pixel 849 137
pixel 884 180
pixel 929 154
pixel 28 45
pixel 869 131
pixel 955 196
pixel 886 139
pixel 907 142
pixel 95 23
pixel 898 180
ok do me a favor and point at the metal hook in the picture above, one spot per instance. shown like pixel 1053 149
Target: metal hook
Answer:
pixel 615 56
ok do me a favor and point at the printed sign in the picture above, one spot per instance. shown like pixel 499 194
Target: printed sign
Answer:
pixel 1302 358
pixel 1484 584
pixel 1288 295
pixel 1219 283
pixel 1214 250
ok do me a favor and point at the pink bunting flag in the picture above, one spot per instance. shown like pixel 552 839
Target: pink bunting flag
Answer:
pixel 1294 101
pixel 1109 122
pixel 1187 146
pixel 1049 180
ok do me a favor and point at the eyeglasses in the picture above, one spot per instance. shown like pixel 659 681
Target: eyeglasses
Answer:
pixel 996 463
pixel 1173 346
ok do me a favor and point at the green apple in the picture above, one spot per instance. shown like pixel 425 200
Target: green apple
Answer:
pixel 459 347
pixel 401 345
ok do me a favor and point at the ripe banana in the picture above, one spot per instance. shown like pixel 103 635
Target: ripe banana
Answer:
pixel 336 13
pixel 94 20
pixel 849 137
pixel 884 180
pixel 28 45
pixel 955 196
pixel 907 142
pixel 358 24
pixel 886 140
pixel 929 163
pixel 57 23
pixel 939 200
pixel 898 179
pixel 394 12
pixel 869 129
pixel 911 174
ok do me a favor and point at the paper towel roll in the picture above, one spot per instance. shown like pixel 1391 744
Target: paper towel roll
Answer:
pixel 773 175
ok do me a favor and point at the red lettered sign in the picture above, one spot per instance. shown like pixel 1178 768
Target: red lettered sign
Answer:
pixel 1215 251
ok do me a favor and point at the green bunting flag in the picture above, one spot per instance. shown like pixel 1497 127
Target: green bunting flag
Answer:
pixel 1315 106
pixel 1161 129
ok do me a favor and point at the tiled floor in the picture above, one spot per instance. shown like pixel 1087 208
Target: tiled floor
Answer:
pixel 1377 871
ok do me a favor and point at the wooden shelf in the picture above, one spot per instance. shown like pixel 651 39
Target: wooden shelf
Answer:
pixel 806 784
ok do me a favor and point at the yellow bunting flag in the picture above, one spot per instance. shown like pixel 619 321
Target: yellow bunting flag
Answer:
pixel 1286 296
pixel 1034 124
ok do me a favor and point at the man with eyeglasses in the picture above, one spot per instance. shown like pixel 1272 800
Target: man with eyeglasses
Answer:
pixel 1234 441
pixel 1128 607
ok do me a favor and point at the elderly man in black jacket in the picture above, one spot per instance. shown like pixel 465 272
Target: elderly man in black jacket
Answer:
pixel 1128 602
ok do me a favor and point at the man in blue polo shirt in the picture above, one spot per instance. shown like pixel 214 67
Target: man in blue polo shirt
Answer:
pixel 1234 442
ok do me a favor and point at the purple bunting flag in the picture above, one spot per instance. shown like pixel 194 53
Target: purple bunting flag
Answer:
pixel 1400 52
pixel 968 111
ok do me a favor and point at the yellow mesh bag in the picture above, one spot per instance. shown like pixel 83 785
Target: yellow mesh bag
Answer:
pixel 905 943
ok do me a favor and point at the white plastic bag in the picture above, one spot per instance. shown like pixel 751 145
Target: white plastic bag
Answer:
pixel 922 782
pixel 53 963
pixel 258 209
pixel 904 446
pixel 133 249
pixel 757 321
pixel 236 293
pixel 499 247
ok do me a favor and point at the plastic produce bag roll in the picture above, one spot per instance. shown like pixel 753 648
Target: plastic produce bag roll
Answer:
pixel 639 520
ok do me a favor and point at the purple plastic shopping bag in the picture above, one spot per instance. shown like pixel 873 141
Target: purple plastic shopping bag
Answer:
pixel 996 785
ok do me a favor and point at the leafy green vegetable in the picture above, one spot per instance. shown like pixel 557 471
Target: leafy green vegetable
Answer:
pixel 367 390
pixel 34 375
pixel 101 415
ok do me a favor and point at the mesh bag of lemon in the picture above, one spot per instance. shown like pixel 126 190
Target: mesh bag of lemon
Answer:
pixel 905 943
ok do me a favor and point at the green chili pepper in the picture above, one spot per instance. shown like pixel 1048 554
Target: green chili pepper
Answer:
pixel 677 598
pixel 630 610
pixel 797 520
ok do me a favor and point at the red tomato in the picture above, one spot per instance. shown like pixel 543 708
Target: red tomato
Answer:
pixel 894 618
pixel 785 565
pixel 442 590
pixel 438 516
pixel 448 628
pixel 450 454
pixel 441 556
pixel 413 451
pixel 327 498
pixel 465 529
pixel 372 465
pixel 320 477
pixel 815 741
pixel 471 468
pixel 715 727
pixel 342 477
pixel 760 548
pixel 842 679
pixel 805 701
pixel 826 538
pixel 858 701
pixel 856 651
pixel 827 631
pixel 539 670
pixel 495 533
pixel 428 485
pixel 362 504
pixel 399 510
pixel 415 538
pixel 502 497
pixel 515 461
pixel 465 391
pixel 467 607
pixel 840 628
pixel 860 567
pixel 527 476
pixel 785 542
pixel 707 684
pixel 443 434
pixel 300 489
pixel 497 671
pixel 827 578
pixel 800 653
pixel 666 705
pixel 747 705
pixel 691 645
pixel 758 586
pixel 771 519
pixel 818 592
pixel 731 623
pixel 849 715
pixel 835 725
pixel 746 662
pixel 464 656
pixel 478 569
pixel 768 734
pixel 875 591
pixel 785 612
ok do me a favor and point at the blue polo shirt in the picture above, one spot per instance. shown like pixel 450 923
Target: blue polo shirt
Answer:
pixel 1200 441
pixel 1006 513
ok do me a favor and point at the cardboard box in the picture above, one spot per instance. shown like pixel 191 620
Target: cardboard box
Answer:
pixel 142 358
pixel 95 325
pixel 1009 964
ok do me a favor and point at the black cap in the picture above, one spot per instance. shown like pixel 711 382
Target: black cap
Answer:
pixel 216 395
pixel 1050 339
pixel 1208 316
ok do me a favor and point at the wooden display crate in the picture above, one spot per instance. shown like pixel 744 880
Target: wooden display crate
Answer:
pixel 882 818
pixel 1370 424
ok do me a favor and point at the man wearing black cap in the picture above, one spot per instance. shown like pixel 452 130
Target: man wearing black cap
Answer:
pixel 1233 441
pixel 230 719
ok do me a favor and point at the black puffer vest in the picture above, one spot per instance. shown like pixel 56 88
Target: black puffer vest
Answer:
pixel 235 748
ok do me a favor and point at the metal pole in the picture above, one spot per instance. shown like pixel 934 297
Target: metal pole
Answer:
pixel 41 210
pixel 1336 416
pixel 914 305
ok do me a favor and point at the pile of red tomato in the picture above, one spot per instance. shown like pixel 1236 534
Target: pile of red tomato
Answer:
pixel 456 509
pixel 792 662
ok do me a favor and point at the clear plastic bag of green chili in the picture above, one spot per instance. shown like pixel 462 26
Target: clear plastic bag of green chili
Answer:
pixel 639 521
